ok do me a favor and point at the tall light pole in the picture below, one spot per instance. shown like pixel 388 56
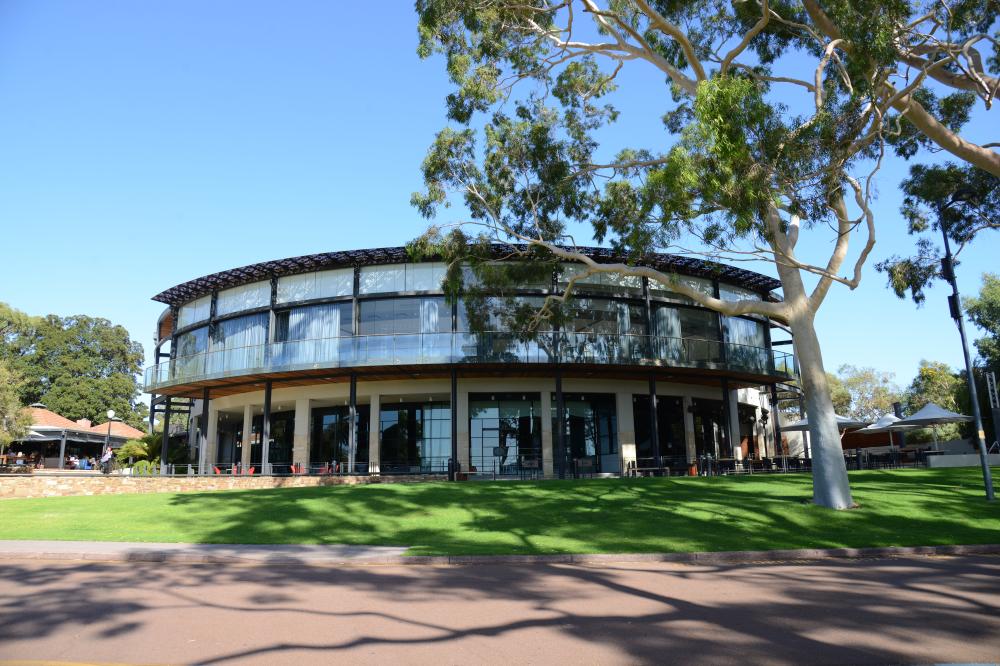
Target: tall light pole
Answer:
pixel 107 443
pixel 955 304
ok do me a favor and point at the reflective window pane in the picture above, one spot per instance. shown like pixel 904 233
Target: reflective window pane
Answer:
pixel 730 293
pixel 244 297
pixel 400 316
pixel 382 279
pixel 415 437
pixel 604 282
pixel 505 433
pixel 425 276
pixel 666 290
pixel 195 311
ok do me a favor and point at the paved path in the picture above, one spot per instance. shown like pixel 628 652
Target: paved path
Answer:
pixel 197 553
pixel 915 610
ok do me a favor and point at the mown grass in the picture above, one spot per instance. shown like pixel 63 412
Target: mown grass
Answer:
pixel 898 508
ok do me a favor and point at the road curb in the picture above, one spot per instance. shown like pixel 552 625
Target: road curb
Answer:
pixel 198 555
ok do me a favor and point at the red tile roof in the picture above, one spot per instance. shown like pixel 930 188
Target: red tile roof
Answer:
pixel 44 418
pixel 118 429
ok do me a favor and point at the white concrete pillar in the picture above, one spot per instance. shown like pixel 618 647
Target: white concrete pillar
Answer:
pixel 211 438
pixel 247 436
pixel 463 445
pixel 374 432
pixel 689 440
pixel 300 437
pixel 624 407
pixel 545 405
pixel 734 423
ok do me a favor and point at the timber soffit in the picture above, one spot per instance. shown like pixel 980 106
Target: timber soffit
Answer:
pixel 234 277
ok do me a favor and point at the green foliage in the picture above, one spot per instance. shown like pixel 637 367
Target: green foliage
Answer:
pixel 79 367
pixel 984 312
pixel 134 450
pixel 963 200
pixel 14 418
pixel 14 322
pixel 864 393
pixel 145 468
pixel 935 382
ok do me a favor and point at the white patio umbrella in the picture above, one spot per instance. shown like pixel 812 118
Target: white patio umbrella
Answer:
pixel 931 415
pixel 886 423
pixel 843 423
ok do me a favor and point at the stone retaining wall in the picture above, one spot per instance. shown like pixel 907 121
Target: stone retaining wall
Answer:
pixel 17 486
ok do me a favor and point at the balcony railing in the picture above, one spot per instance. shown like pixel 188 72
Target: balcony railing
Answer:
pixel 470 348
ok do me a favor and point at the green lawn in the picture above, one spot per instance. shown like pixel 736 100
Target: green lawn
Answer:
pixel 898 508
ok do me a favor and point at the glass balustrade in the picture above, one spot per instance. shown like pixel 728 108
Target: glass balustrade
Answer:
pixel 470 348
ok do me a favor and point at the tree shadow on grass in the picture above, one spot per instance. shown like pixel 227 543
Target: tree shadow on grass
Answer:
pixel 620 515
pixel 885 611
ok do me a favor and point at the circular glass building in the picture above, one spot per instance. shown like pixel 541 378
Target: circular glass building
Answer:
pixel 356 363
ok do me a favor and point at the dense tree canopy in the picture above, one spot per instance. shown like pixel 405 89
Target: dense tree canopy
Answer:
pixel 776 116
pixel 936 382
pixel 78 366
pixel 964 200
pixel 863 393
pixel 14 418
pixel 984 311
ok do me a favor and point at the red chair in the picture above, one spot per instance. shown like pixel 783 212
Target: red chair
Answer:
pixel 216 469
pixel 251 471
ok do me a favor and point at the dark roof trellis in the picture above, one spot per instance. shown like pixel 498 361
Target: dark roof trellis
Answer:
pixel 234 277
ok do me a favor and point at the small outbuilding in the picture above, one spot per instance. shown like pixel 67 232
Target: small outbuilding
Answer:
pixel 53 438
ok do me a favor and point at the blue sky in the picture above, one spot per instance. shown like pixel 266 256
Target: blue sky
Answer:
pixel 144 144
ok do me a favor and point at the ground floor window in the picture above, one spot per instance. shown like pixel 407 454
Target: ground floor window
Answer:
pixel 330 443
pixel 279 454
pixel 669 429
pixel 414 437
pixel 749 444
pixel 229 436
pixel 709 431
pixel 591 432
pixel 505 432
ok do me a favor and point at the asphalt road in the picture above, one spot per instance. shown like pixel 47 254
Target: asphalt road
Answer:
pixel 909 610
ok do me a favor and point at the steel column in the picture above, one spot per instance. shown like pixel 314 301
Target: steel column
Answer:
pixel 776 426
pixel 266 429
pixel 203 434
pixel 726 425
pixel 560 429
pixel 454 466
pixel 165 438
pixel 654 426
pixel 352 415
pixel 955 303
pixel 62 450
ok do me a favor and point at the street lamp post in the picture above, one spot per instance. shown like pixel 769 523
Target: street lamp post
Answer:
pixel 105 459
pixel 955 304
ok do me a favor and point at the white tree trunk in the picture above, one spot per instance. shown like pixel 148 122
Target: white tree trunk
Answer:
pixel 831 487
pixel 830 484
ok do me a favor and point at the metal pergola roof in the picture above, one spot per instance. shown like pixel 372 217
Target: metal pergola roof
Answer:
pixel 668 263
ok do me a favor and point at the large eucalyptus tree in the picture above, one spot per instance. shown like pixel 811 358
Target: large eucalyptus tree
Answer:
pixel 776 118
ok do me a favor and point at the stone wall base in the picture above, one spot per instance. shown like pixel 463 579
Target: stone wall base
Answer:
pixel 17 486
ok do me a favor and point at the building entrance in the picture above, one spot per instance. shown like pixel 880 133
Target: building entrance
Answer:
pixel 505 434
pixel 330 444
pixel 591 433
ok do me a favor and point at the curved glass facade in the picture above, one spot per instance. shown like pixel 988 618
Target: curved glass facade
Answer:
pixel 389 315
